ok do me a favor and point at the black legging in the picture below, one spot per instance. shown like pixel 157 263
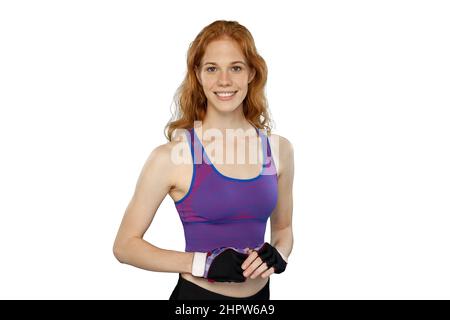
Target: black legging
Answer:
pixel 186 290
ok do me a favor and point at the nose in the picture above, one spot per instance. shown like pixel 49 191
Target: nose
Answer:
pixel 224 78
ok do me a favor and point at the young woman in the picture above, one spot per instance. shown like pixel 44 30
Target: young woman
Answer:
pixel 224 208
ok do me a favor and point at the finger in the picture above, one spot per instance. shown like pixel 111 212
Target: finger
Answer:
pixel 255 264
pixel 249 260
pixel 268 272
pixel 263 267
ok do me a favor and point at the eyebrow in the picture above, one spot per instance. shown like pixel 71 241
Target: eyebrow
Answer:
pixel 233 62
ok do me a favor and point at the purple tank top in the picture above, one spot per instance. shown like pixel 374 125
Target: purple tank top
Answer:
pixel 220 211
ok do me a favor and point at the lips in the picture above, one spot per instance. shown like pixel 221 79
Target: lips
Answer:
pixel 225 94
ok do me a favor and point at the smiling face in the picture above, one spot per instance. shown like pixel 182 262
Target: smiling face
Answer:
pixel 224 75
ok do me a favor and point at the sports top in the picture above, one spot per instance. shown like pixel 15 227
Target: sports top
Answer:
pixel 221 211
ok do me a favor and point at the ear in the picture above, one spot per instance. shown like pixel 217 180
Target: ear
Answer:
pixel 252 75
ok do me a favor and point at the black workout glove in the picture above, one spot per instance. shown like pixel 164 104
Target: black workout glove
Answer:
pixel 221 265
pixel 272 257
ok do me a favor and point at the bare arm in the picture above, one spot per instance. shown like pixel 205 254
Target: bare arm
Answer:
pixel 281 219
pixel 153 185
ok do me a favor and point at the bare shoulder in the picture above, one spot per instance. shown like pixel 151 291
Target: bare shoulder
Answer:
pixel 284 143
pixel 158 161
pixel 283 152
pixel 160 164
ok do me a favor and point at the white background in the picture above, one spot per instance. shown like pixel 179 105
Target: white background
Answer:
pixel 360 88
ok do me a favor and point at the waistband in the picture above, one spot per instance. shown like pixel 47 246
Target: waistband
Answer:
pixel 184 284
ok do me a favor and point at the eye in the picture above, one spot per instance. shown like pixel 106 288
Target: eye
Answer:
pixel 208 69
pixel 236 68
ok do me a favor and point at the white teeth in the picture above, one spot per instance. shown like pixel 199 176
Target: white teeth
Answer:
pixel 225 94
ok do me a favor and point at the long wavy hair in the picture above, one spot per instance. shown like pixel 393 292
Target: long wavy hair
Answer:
pixel 190 100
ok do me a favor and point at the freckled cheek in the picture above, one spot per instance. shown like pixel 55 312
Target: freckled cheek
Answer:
pixel 242 83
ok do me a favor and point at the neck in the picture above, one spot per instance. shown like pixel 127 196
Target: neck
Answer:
pixel 214 119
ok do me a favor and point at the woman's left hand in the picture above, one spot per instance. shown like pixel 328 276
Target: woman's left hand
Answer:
pixel 264 261
pixel 253 266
